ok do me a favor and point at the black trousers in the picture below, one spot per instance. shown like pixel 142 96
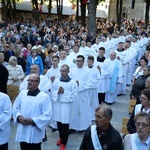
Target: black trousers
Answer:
pixel 101 97
pixel 63 130
pixel 28 146
pixel 4 146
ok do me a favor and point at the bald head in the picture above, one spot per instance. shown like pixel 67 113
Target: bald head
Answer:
pixel 112 55
pixel 33 82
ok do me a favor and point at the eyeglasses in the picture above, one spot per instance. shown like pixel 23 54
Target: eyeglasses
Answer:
pixel 79 60
pixel 143 124
pixel 54 60
pixel 32 80
pixel 143 98
pixel 63 70
pixel 14 60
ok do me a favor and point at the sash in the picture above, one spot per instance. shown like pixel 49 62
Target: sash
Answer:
pixel 137 109
pixel 113 81
pixel 135 142
pixel 95 139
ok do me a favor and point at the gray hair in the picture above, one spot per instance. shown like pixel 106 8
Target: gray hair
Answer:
pixel 107 110
pixel 11 59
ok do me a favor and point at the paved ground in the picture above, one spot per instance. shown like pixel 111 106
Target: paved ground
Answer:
pixel 120 110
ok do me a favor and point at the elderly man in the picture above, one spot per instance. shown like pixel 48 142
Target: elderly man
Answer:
pixel 102 135
pixel 64 91
pixel 114 67
pixel 5 115
pixel 32 111
pixel 45 84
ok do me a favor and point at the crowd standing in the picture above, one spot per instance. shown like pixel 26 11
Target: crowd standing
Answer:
pixel 63 75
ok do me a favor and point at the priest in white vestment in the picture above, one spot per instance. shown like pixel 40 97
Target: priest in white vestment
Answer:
pixel 52 74
pixel 114 78
pixel 95 82
pixel 80 117
pixel 122 55
pixel 32 112
pixel 63 59
pixel 45 84
pixel 73 55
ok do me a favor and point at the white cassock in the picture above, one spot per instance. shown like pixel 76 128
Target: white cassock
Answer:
pixel 93 93
pixel 131 65
pixel 73 56
pixel 45 84
pixel 56 73
pixel 39 109
pixel 107 48
pixel 103 86
pixel 86 52
pixel 63 101
pixel 5 115
pixel 96 47
pixel 80 112
pixel 112 64
pixel 124 61
pixel 93 53
pixel 66 61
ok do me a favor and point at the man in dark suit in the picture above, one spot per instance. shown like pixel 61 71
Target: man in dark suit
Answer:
pixel 10 52
pixel 3 75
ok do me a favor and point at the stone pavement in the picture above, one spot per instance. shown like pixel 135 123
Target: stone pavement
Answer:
pixel 120 110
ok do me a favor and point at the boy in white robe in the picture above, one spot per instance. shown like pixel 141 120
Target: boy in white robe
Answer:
pixel 95 82
pixel 80 117
pixel 64 91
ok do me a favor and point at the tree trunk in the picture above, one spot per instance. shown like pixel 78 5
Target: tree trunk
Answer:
pixel 133 4
pixel 49 8
pixel 10 10
pixel 14 10
pixel 92 18
pixel 147 13
pixel 35 10
pixel 77 11
pixel 4 11
pixel 83 13
pixel 119 13
pixel 59 9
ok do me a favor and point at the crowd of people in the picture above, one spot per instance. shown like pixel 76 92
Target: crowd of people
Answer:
pixel 64 75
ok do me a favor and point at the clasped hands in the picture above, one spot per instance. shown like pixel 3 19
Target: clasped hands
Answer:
pixel 25 121
pixel 60 90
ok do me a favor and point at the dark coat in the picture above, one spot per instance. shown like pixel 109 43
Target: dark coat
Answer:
pixel 3 79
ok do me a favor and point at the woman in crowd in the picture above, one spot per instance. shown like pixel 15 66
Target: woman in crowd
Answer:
pixel 139 84
pixel 27 52
pixel 15 72
pixel 144 106
pixel 141 139
pixel 21 59
pixel 34 59
pixel 139 70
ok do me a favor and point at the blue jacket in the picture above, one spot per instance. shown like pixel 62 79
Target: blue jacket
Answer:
pixel 38 62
